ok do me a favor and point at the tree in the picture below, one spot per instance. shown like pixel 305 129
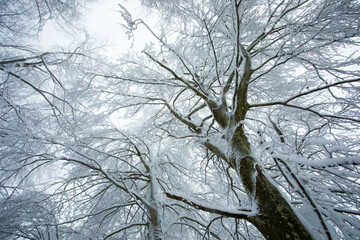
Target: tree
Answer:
pixel 269 89
pixel 256 101
pixel 29 216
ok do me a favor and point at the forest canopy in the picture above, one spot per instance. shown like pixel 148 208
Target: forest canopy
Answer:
pixel 238 119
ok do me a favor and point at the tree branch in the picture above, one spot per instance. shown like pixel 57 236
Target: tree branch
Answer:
pixel 304 109
pixel 244 214
pixel 198 92
pixel 126 227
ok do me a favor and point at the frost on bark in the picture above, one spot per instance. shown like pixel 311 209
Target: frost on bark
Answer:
pixel 276 219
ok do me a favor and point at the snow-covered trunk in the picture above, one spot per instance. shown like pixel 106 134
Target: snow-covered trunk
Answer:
pixel 155 232
pixel 155 229
pixel 276 219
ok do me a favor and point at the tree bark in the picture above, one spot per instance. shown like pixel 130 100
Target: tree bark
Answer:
pixel 276 219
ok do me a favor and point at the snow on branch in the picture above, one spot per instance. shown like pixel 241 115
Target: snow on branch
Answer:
pixel 126 227
pixel 126 15
pixel 196 89
pixel 213 147
pixel 326 162
pixel 243 214
pixel 286 102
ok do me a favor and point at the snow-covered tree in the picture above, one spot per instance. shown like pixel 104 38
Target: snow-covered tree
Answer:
pixel 271 89
pixel 29 215
pixel 239 120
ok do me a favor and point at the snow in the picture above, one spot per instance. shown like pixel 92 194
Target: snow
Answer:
pixel 219 209
pixel 325 162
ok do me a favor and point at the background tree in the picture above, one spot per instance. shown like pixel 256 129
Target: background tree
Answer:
pixel 30 215
pixel 240 123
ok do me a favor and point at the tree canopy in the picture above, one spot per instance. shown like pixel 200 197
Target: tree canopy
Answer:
pixel 238 120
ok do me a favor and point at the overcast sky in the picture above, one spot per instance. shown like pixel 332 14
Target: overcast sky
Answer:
pixel 102 21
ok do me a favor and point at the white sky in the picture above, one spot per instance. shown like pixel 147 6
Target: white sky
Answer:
pixel 102 21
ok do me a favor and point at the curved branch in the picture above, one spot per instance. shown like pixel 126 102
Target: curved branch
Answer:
pixel 323 88
pixel 126 227
pixel 198 92
pixel 215 149
pixel 304 109
pixel 244 214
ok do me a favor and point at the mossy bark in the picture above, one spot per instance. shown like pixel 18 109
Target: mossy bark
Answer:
pixel 276 219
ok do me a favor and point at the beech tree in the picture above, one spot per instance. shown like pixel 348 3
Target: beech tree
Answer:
pixel 270 89
pixel 241 122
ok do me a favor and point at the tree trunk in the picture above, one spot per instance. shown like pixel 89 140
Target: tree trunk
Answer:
pixel 155 232
pixel 276 220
